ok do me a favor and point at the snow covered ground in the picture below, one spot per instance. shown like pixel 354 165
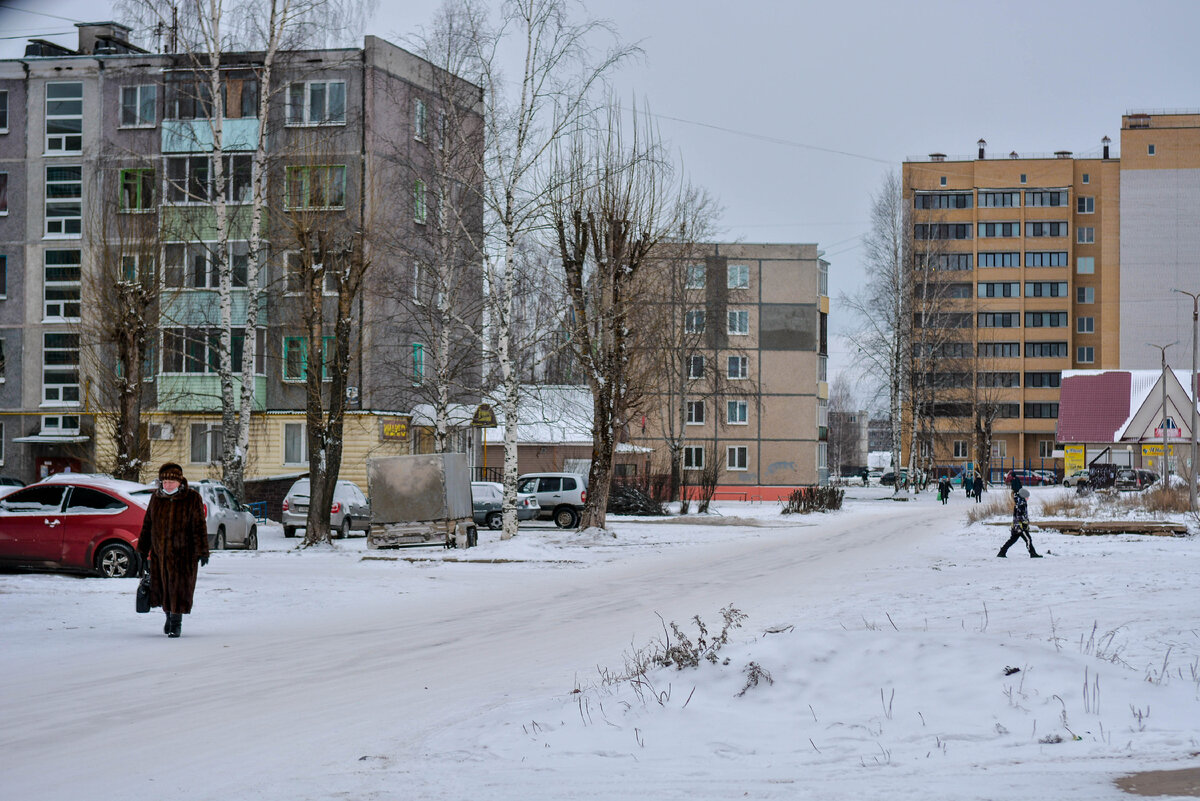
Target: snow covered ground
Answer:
pixel 887 631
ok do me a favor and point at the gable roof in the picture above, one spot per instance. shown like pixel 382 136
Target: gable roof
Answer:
pixel 1116 405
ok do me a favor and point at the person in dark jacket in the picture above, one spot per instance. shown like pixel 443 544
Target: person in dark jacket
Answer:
pixel 943 490
pixel 978 487
pixel 1020 526
pixel 174 539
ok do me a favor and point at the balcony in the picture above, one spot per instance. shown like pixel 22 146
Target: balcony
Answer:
pixel 196 136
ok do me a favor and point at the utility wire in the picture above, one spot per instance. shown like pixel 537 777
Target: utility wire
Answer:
pixel 41 14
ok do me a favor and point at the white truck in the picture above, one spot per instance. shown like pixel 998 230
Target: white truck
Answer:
pixel 421 500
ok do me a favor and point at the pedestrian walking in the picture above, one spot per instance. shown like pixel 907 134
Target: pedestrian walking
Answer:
pixel 174 539
pixel 943 490
pixel 1020 526
pixel 978 487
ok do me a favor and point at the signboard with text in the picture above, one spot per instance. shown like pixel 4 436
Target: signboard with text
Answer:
pixel 393 429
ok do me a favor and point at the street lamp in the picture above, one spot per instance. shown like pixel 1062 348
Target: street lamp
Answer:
pixel 1195 296
pixel 1166 464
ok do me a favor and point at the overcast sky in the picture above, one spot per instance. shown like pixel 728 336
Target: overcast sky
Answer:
pixel 792 112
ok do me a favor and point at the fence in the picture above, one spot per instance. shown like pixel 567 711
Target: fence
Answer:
pixel 999 468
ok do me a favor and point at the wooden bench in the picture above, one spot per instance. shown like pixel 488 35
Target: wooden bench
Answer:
pixel 1158 528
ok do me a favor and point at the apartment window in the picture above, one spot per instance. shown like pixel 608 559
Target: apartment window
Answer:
pixel 693 457
pixel 999 200
pixel 695 412
pixel 138 106
pixel 822 367
pixel 64 118
pixel 1046 258
pixel 297 273
pixel 1003 289
pixel 695 277
pixel 989 230
pixel 295 443
pixel 418 364
pixel 1085 354
pixel 3 123
pixel 137 189
pixel 942 231
pixel 695 367
pixel 1085 235
pixel 999 350
pixel 1085 265
pixel 1149 150
pixel 134 265
pixel 61 287
pixel 1085 294
pixel 994 380
pixel 1011 259
pixel 1045 350
pixel 737 457
pixel 1022 178
pixel 61 424
pixel 1045 199
pixel 420 120
pixel 942 182
pixel 1045 289
pixel 321 187
pixel 1046 448
pixel 1043 380
pixel 1040 228
pixel 1045 319
pixel 823 277
pixel 693 321
pixel 208 442
pixel 1087 179
pixel 738 368
pixel 194 266
pixel 190 179
pixel 956 262
pixel 999 449
pixel 960 449
pixel 317 103
pixel 739 322
pixel 999 319
pixel 1041 411
pixel 60 369
pixel 1085 205
pixel 64 201
pixel 295 358
pixel 1 369
pixel 736 412
pixel 739 276
pixel 198 350
pixel 419 209
pixel 3 194
pixel 1085 325
pixel 942 200
pixel 3 277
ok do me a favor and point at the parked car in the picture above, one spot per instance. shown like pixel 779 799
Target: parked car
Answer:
pixel 229 522
pixel 349 511
pixel 487 504
pixel 1129 478
pixel 561 496
pixel 889 478
pixel 75 522
pixel 1028 478
pixel 1074 479
pixel 9 484
pixel 1048 476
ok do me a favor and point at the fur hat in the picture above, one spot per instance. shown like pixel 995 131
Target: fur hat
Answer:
pixel 170 472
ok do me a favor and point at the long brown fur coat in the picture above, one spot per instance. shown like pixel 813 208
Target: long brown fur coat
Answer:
pixel 175 537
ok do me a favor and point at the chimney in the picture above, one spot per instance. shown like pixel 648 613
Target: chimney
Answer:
pixel 98 38
pixel 1105 141
pixel 982 144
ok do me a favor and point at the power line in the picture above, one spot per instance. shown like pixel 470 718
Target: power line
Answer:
pixel 43 14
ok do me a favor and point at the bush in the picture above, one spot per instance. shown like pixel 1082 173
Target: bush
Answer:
pixel 813 499
pixel 630 499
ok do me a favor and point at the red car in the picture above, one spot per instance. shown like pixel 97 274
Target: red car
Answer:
pixel 75 522
pixel 1028 478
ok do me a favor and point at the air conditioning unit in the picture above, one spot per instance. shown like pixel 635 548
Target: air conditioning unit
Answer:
pixel 162 431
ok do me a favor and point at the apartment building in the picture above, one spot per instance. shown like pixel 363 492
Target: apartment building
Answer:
pixel 95 139
pixel 753 394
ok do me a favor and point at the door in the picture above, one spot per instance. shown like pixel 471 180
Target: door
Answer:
pixel 31 523
pixel 549 491
pixel 91 517
pixel 237 528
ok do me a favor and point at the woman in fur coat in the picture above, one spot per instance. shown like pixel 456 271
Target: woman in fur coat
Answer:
pixel 174 538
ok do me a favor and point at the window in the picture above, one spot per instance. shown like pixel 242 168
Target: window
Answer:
pixel 198 350
pixel 1004 289
pixel 419 209
pixel 1046 258
pixel 693 321
pixel 695 277
pixel 944 261
pixel 942 231
pixel 60 369
pixel 1054 228
pixel 134 266
pixel 1 368
pixel 1085 325
pixel 61 287
pixel 295 358
pixel 3 277
pixel 207 443
pixel 1085 265
pixel 137 189
pixel 418 364
pixel 1001 379
pixel 999 229
pixel 295 443
pixel 1085 235
pixel 138 106
pixel 999 350
pixel 1045 350
pixel 3 120
pixel 64 201
pixel 999 200
pixel 822 367
pixel 322 187
pixel 693 457
pixel 960 449
pixel 1045 289
pixel 1087 179
pixel 317 103
pixel 739 276
pixel 194 266
pixel 1046 199
pixel 695 365
pixel 1043 380
pixel 1085 354
pixel 1085 205
pixel 420 120
pixel 735 412
pixel 739 367
pixel 999 319
pixel 940 319
pixel 695 412
pixel 1046 448
pixel 297 272
pixel 1022 178
pixel 1045 319
pixel 1085 294
pixel 999 449
pixel 1012 259
pixel 736 457
pixel 1041 411
pixel 942 182
pixel 3 194
pixel 64 118
pixel 942 200
pixel 739 322
pixel 1149 150
pixel 190 179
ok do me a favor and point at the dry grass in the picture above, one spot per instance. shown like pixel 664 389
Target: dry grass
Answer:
pixel 1065 505
pixel 996 505
pixel 1157 500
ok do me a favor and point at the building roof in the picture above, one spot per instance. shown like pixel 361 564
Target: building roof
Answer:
pixel 1101 405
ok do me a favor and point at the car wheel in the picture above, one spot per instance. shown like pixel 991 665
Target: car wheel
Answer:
pixel 289 531
pixel 252 539
pixel 495 520
pixel 566 517
pixel 221 538
pixel 116 560
pixel 344 529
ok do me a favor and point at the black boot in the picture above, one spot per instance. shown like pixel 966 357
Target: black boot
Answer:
pixel 1002 555
pixel 176 624
pixel 1034 554
pixel 167 623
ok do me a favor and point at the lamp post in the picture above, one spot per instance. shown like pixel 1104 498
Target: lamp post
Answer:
pixel 1195 296
pixel 1162 349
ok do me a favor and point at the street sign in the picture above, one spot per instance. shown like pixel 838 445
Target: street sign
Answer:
pixel 484 417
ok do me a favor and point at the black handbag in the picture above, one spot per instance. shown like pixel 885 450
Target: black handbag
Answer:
pixel 143 594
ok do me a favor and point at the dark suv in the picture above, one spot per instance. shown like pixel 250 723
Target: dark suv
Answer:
pixel 1131 479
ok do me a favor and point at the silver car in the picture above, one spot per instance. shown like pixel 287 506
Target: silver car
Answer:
pixel 230 524
pixel 487 501
pixel 349 511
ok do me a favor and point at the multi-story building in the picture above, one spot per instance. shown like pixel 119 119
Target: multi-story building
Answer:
pixel 108 139
pixel 753 392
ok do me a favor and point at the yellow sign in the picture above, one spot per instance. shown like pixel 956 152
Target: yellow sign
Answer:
pixel 394 428
pixel 1156 450
pixel 484 417
pixel 1073 458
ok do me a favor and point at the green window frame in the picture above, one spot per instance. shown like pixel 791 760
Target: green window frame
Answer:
pixel 420 209
pixel 418 364
pixel 320 186
pixel 295 358
pixel 137 189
